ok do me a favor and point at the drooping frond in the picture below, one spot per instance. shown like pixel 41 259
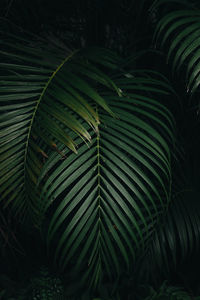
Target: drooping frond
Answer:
pixel 106 199
pixel 176 239
pixel 45 92
pixel 178 32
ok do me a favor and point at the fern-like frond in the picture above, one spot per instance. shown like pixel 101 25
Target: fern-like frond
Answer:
pixel 45 92
pixel 106 199
pixel 179 32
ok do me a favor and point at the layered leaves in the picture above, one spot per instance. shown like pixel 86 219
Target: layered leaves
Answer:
pixel 45 92
pixel 176 239
pixel 106 199
pixel 102 185
pixel 179 31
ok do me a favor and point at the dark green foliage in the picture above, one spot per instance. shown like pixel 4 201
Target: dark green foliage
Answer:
pixel 99 150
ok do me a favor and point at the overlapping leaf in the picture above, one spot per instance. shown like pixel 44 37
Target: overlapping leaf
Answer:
pixel 45 92
pixel 176 239
pixel 180 32
pixel 107 198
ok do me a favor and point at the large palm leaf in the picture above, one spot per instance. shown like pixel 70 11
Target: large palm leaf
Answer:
pixel 107 198
pixel 43 93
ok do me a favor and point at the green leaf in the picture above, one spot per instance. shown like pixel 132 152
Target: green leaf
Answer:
pixel 109 204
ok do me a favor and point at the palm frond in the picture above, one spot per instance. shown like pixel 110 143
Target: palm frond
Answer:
pixel 107 198
pixel 180 33
pixel 43 96
pixel 176 240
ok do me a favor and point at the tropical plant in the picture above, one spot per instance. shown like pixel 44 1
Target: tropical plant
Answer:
pixel 93 150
